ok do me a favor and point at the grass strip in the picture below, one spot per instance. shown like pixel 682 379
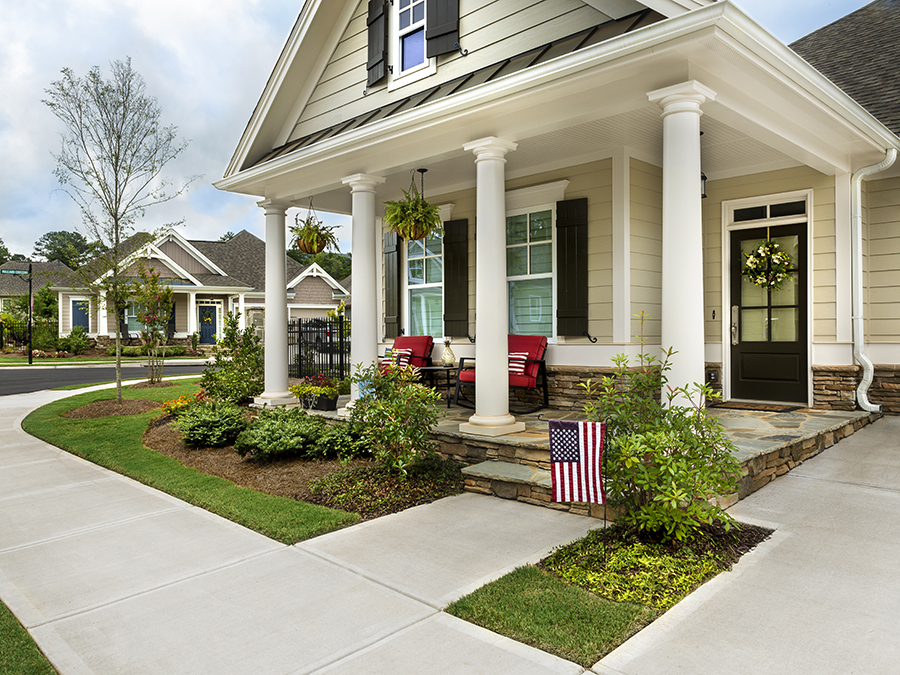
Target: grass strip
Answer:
pixel 115 443
pixel 18 652
pixel 534 607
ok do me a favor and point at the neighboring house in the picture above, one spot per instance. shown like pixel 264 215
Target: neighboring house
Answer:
pixel 209 278
pixel 16 285
pixel 613 157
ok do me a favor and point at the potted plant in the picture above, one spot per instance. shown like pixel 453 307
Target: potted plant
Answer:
pixel 413 217
pixel 317 392
pixel 313 236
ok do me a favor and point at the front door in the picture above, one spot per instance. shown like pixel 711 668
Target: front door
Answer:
pixel 80 314
pixel 207 319
pixel 768 325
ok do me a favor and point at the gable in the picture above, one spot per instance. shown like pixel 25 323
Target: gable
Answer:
pixel 184 259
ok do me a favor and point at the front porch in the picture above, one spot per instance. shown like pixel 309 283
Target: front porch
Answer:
pixel 517 466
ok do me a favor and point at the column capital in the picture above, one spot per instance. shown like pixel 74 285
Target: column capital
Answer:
pixel 684 97
pixel 490 148
pixel 273 206
pixel 363 182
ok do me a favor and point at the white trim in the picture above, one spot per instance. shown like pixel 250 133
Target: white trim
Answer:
pixel 537 195
pixel 843 265
pixel 315 270
pixel 396 77
pixel 728 226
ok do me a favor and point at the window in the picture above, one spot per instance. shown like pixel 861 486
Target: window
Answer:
pixel 411 31
pixel 134 326
pixel 425 281
pixel 529 272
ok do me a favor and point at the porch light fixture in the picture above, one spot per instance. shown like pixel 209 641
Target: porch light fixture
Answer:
pixel 702 185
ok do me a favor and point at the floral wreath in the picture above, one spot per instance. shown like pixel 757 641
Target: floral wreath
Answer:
pixel 768 266
pixel 206 316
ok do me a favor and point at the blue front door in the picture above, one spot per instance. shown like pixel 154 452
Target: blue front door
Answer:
pixel 207 318
pixel 80 314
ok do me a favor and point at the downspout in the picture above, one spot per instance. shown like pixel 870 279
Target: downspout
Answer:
pixel 857 277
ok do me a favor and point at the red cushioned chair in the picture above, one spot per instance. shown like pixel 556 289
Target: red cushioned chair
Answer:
pixel 419 346
pixel 527 375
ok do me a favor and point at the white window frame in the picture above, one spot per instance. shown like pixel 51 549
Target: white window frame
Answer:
pixel 428 67
pixel 551 207
pixel 408 287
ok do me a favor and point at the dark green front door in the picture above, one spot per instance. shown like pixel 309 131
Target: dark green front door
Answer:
pixel 769 326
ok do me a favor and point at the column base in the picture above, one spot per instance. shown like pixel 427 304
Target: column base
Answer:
pixel 491 425
pixel 275 399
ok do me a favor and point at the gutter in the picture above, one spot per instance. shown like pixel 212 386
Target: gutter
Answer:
pixel 857 277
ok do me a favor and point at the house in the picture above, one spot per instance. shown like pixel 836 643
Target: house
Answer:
pixel 209 278
pixel 14 279
pixel 593 160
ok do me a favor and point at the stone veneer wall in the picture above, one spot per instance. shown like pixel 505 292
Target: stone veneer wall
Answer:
pixel 834 387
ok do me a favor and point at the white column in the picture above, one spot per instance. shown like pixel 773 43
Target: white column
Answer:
pixel 192 313
pixel 682 225
pixel 491 416
pixel 843 262
pixel 364 311
pixel 276 367
pixel 242 319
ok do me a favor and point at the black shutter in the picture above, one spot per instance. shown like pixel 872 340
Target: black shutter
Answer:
pixel 392 285
pixel 456 278
pixel 441 26
pixel 572 266
pixel 378 40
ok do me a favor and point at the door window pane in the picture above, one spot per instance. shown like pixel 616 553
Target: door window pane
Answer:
pixel 531 307
pixel 791 246
pixel 787 294
pixel 752 295
pixel 785 324
pixel 753 325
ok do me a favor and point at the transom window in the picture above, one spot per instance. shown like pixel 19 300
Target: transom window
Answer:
pixel 529 272
pixel 411 29
pixel 425 282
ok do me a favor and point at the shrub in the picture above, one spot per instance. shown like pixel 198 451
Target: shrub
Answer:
pixel 75 342
pixel 174 350
pixel 280 431
pixel 341 441
pixel 394 415
pixel 665 461
pixel 211 424
pixel 237 371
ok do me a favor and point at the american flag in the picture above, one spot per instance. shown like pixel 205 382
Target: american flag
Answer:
pixel 576 461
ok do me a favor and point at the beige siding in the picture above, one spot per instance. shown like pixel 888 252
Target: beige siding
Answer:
pixel 181 312
pixel 822 245
pixel 491 30
pixel 184 259
pixel 646 248
pixel 158 266
pixel 882 230
pixel 313 291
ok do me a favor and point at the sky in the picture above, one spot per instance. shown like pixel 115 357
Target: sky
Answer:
pixel 206 62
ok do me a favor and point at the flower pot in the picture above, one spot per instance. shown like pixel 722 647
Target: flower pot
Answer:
pixel 304 247
pixel 325 403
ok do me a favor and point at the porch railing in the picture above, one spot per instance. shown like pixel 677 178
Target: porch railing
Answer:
pixel 319 346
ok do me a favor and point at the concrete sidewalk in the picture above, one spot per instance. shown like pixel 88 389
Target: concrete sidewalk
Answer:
pixel 113 577
pixel 821 596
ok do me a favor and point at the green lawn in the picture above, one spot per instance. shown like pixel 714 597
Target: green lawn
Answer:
pixel 115 443
pixel 534 607
pixel 19 655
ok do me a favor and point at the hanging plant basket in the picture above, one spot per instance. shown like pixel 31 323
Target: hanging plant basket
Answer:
pixel 767 266
pixel 413 217
pixel 313 236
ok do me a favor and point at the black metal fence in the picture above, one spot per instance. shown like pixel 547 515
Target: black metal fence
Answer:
pixel 319 346
pixel 14 333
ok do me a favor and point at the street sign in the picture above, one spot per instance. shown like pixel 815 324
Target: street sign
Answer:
pixel 14 271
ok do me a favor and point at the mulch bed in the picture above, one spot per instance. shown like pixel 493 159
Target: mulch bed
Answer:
pixel 288 477
pixel 109 408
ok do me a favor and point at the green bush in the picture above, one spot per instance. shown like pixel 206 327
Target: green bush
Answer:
pixel 237 371
pixel 75 342
pixel 339 440
pixel 126 351
pixel 280 431
pixel 210 424
pixel 665 461
pixel 173 350
pixel 394 415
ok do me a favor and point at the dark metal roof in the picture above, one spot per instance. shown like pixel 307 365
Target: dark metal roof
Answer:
pixel 860 53
pixel 567 45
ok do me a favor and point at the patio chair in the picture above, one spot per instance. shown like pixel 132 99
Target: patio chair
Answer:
pixel 527 368
pixel 412 350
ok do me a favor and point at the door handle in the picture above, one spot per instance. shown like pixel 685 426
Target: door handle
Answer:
pixel 734 325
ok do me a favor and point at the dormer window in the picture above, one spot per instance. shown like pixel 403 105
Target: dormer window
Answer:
pixel 411 31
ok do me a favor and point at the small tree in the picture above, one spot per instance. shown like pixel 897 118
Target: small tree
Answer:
pixel 155 301
pixel 238 368
pixel 110 163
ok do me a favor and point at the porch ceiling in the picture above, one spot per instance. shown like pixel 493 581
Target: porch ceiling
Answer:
pixel 771 111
